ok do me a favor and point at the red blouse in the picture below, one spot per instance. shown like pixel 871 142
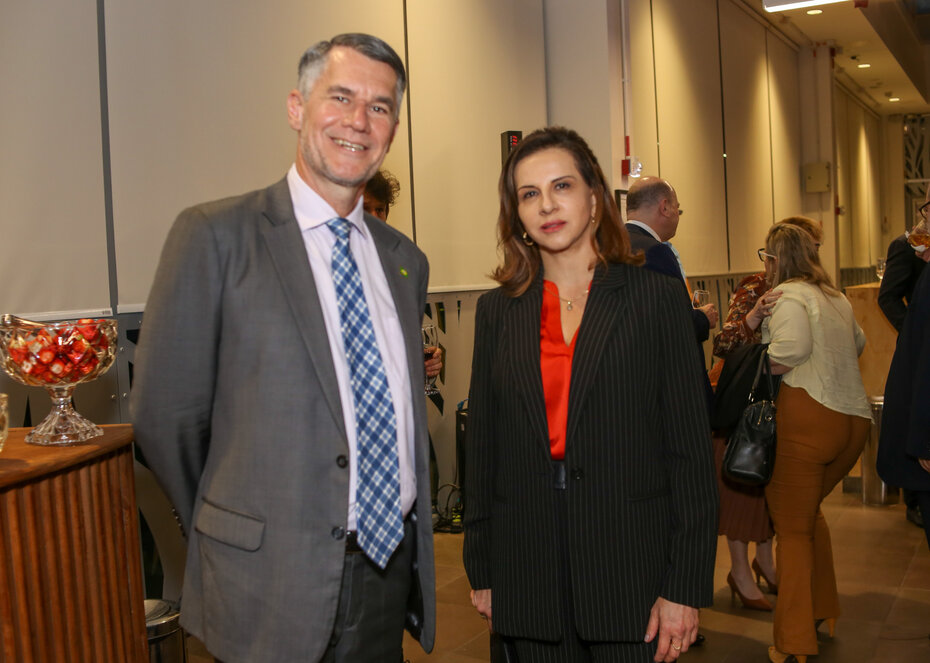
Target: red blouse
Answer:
pixel 556 363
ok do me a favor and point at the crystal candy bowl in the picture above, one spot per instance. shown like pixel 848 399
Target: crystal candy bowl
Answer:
pixel 58 356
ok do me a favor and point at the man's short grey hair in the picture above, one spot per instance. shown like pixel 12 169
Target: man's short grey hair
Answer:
pixel 314 60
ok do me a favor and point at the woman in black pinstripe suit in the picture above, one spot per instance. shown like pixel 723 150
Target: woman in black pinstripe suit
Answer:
pixel 590 497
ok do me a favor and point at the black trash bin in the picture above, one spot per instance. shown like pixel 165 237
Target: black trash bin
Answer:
pixel 874 491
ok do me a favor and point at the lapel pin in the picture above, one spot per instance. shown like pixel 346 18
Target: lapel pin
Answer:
pixel 403 272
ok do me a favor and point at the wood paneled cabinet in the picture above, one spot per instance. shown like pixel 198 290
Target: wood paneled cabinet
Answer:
pixel 70 568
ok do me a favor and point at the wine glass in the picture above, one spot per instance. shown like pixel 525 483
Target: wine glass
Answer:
pixel 58 356
pixel 4 420
pixel 700 298
pixel 880 268
pixel 430 343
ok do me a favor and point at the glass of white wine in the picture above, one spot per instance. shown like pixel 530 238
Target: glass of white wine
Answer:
pixel 700 298
pixel 430 344
pixel 880 268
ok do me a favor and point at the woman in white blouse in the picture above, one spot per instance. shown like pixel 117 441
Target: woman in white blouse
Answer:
pixel 823 421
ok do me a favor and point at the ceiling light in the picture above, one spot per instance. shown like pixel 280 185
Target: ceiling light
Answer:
pixel 863 65
pixel 814 12
pixel 785 5
pixel 894 99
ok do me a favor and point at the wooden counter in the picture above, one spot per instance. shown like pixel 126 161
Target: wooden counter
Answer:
pixel 875 360
pixel 70 566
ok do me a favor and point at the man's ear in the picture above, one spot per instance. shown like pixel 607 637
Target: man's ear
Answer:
pixel 295 109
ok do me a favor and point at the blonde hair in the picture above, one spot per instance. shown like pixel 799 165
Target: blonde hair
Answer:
pixel 813 228
pixel 796 257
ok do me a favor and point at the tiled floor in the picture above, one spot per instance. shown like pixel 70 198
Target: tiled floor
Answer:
pixel 883 572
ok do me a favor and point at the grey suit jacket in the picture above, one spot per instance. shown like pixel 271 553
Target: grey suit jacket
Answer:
pixel 641 493
pixel 236 410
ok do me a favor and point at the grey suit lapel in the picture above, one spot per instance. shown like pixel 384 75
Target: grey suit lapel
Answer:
pixel 289 255
pixel 604 307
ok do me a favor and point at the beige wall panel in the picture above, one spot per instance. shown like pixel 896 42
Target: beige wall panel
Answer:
pixel 53 253
pixel 748 144
pixel 862 196
pixel 470 83
pixel 567 24
pixel 785 114
pixel 641 124
pixel 872 234
pixel 197 106
pixel 841 131
pixel 892 181
pixel 690 130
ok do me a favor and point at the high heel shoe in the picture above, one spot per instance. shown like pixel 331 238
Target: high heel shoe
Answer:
pixel 776 656
pixel 831 624
pixel 752 604
pixel 770 585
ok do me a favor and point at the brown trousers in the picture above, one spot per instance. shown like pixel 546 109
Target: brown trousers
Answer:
pixel 816 448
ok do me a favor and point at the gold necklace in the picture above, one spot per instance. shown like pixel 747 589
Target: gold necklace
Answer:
pixel 568 302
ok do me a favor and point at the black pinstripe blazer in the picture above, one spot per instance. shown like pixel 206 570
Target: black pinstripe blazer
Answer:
pixel 641 495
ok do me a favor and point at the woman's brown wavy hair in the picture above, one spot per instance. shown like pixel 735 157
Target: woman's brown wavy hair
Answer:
pixel 521 263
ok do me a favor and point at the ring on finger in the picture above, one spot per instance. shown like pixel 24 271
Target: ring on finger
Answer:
pixel 676 647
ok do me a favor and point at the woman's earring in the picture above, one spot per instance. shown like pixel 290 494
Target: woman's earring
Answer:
pixel 527 240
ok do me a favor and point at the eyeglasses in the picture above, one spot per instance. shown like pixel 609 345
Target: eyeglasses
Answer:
pixel 924 210
pixel 763 255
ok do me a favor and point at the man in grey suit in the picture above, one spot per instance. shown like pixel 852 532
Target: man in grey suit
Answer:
pixel 278 392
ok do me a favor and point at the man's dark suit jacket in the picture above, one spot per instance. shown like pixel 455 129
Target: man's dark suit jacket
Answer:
pixel 641 495
pixel 905 435
pixel 659 258
pixel 902 269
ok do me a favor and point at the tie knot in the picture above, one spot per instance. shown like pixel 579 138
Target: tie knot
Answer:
pixel 340 227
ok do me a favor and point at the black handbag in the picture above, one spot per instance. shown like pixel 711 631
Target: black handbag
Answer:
pixel 750 454
pixel 735 385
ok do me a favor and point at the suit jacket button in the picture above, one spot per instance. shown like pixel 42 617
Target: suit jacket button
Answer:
pixel 338 533
pixel 342 461
pixel 577 473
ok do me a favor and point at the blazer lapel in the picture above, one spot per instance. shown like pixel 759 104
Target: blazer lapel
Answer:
pixel 286 246
pixel 526 315
pixel 605 306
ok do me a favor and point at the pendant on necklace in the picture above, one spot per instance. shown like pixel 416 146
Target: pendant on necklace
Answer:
pixel 568 305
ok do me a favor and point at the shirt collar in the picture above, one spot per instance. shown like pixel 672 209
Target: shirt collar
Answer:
pixel 640 224
pixel 312 211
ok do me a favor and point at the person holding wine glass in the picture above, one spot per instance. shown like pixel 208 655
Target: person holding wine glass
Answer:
pixel 590 499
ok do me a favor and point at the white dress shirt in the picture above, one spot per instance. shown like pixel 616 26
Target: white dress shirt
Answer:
pixel 312 213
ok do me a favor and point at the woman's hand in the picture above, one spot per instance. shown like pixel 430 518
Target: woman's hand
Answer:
pixel 434 363
pixel 762 309
pixel 481 599
pixel 676 626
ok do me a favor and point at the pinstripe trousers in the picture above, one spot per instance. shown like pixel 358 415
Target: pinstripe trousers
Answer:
pixel 571 648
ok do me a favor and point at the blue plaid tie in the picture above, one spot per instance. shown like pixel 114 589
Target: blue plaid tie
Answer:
pixel 379 518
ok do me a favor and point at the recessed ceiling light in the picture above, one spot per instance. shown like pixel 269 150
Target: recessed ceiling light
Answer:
pixel 814 12
pixel 894 98
pixel 863 65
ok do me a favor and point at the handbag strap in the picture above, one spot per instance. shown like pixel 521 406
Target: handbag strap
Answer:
pixel 763 363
